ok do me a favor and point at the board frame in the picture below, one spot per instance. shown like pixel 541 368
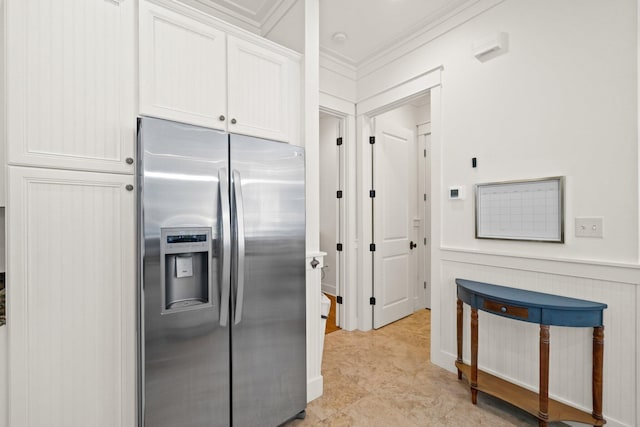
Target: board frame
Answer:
pixel 558 238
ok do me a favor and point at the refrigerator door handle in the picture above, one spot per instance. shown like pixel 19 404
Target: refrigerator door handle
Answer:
pixel 239 218
pixel 225 278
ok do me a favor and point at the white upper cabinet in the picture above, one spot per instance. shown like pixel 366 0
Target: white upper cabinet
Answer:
pixel 262 90
pixel 182 67
pixel 197 69
pixel 70 92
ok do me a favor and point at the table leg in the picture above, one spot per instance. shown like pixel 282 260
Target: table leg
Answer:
pixel 598 355
pixel 459 334
pixel 474 355
pixel 543 411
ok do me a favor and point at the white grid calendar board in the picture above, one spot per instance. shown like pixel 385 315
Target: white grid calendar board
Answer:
pixel 521 210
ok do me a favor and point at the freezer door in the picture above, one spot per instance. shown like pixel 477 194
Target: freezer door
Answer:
pixel 268 291
pixel 184 349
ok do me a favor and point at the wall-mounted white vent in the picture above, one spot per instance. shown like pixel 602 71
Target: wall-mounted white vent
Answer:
pixel 490 46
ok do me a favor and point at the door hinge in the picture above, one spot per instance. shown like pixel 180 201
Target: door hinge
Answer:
pixel 425 285
pixel 372 247
pixel 339 140
pixel 372 140
pixel 425 197
pixel 425 152
pixel 372 193
pixel 339 299
pixel 339 247
pixel 425 241
pixel 372 301
pixel 339 194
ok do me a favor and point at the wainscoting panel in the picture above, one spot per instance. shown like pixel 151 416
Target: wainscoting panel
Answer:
pixel 509 348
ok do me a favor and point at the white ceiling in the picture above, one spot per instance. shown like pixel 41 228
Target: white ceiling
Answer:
pixel 371 26
pixel 375 25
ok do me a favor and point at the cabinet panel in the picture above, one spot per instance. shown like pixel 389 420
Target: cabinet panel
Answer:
pixel 182 68
pixel 262 85
pixel 70 83
pixel 71 298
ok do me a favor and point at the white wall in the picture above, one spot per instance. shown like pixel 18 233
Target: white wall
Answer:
pixel 337 79
pixel 407 116
pixel 561 101
pixel 328 202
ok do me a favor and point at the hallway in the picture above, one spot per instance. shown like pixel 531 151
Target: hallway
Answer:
pixel 384 378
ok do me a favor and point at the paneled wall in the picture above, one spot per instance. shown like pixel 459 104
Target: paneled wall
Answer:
pixel 509 349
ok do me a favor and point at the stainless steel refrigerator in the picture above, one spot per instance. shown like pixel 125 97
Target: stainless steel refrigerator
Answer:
pixel 222 278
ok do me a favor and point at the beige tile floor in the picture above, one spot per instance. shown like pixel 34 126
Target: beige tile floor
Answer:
pixel 384 378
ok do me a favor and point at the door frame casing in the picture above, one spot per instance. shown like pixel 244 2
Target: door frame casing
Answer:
pixel 346 313
pixel 387 100
pixel 424 174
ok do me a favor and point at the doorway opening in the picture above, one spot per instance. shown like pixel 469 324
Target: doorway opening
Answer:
pixel 400 210
pixel 332 210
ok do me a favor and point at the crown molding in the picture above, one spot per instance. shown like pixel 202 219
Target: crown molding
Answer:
pixel 225 14
pixel 279 10
pixel 444 24
pixel 337 56
pixel 419 27
pixel 336 64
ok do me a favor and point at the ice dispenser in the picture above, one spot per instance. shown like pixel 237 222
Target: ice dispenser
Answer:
pixel 185 260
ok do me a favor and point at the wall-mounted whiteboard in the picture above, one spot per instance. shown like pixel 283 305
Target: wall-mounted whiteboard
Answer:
pixel 521 210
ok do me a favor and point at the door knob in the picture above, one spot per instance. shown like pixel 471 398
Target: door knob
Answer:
pixel 221 118
pixel 234 121
pixel 412 245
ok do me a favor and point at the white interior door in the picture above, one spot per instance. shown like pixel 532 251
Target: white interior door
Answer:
pixel 394 205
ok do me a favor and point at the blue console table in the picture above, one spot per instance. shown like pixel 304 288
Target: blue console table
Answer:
pixel 534 307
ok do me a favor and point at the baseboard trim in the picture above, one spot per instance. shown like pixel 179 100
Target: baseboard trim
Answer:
pixel 314 388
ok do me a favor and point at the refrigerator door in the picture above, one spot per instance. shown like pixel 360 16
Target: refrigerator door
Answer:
pixel 183 199
pixel 268 285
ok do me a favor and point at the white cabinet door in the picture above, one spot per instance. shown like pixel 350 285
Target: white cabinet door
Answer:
pixel 263 86
pixel 71 298
pixel 182 68
pixel 70 90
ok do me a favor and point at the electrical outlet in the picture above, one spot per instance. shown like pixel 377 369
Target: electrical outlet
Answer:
pixel 589 227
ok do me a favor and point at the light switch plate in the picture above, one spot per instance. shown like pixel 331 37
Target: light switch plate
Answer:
pixel 589 227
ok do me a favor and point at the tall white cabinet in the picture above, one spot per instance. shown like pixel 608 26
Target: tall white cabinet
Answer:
pixel 70 134
pixel 72 298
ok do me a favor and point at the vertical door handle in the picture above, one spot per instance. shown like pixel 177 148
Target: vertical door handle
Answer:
pixel 238 205
pixel 225 236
